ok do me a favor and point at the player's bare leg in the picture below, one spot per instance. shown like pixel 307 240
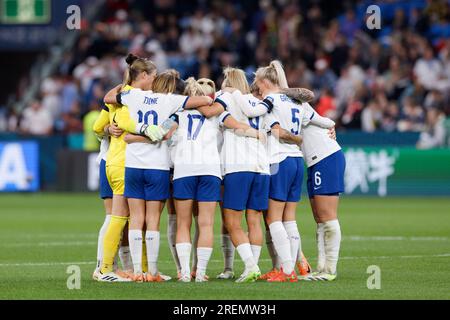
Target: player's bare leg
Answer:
pixel 172 232
pixel 195 239
pixel 184 246
pixel 205 243
pixel 242 244
pixel 227 248
pixel 255 233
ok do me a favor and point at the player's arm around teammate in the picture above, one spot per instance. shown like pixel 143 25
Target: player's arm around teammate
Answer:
pixel 140 73
pixel 197 177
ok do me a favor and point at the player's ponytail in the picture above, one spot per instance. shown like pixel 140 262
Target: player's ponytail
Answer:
pixel 235 78
pixel 136 65
pixel 278 67
pixel 193 88
pixel 274 73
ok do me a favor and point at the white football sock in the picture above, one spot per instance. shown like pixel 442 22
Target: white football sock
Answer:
pixel 101 234
pixel 228 252
pixel 246 254
pixel 194 244
pixel 171 238
pixel 184 253
pixel 203 254
pixel 332 236
pixel 152 244
pixel 276 263
pixel 294 238
pixel 282 246
pixel 135 240
pixel 125 258
pixel 320 241
pixel 256 250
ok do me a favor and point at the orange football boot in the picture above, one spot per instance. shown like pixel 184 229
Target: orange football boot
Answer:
pixel 303 266
pixel 269 274
pixel 282 277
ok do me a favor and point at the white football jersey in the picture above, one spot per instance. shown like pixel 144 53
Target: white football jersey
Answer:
pixel 240 153
pixel 290 116
pixel 317 144
pixel 195 152
pixel 146 107
pixel 104 145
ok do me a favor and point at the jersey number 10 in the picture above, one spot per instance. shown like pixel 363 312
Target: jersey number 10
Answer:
pixel 143 117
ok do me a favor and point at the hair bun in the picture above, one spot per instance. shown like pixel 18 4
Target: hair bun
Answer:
pixel 131 58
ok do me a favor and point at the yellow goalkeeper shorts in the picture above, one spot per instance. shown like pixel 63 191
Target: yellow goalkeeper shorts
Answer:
pixel 116 179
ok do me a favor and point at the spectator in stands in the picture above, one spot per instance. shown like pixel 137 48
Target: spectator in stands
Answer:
pixel 157 55
pixel 51 99
pixel 433 135
pixel 324 76
pixel 390 117
pixel 36 120
pixel 371 117
pixel 326 106
pixel 412 117
pixel 429 71
pixel 90 141
pixel 399 69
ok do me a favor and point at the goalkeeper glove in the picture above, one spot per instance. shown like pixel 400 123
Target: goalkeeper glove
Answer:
pixel 154 133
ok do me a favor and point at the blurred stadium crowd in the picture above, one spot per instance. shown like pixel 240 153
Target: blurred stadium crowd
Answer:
pixel 396 78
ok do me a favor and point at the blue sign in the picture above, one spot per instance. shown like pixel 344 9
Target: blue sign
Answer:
pixel 19 166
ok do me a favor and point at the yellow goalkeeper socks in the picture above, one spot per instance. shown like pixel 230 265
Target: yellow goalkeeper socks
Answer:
pixel 111 241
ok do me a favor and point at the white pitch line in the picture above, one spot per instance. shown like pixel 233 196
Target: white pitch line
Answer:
pixel 345 238
pixel 49 264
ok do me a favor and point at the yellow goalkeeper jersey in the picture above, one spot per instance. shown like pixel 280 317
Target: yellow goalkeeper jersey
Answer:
pixel 117 146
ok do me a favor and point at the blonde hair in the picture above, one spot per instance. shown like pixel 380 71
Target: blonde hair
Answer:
pixel 166 82
pixel 235 78
pixel 193 88
pixel 136 66
pixel 208 86
pixel 274 73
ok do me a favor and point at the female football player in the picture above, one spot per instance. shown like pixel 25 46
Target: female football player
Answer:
pixel 286 165
pixel 254 110
pixel 197 176
pixel 147 165
pixel 140 73
pixel 209 88
pixel 326 166
pixel 106 192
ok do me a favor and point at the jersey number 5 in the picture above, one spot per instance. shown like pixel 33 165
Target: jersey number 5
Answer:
pixel 199 119
pixel 295 121
pixel 143 118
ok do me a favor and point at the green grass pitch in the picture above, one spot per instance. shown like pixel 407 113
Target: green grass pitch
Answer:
pixel 408 238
